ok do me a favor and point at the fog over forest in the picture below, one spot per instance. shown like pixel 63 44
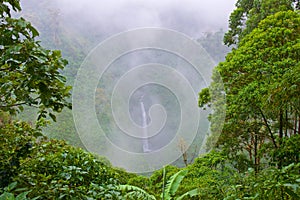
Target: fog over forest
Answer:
pixel 76 27
pixel 110 17
pixel 150 99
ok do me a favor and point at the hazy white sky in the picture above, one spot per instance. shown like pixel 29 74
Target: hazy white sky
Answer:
pixel 188 16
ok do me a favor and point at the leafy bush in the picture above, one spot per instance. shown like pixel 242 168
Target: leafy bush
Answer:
pixel 288 153
pixel 168 193
pixel 210 174
pixel 16 140
pixel 9 195
pixel 53 169
pixel 156 179
pixel 59 170
pixel 271 183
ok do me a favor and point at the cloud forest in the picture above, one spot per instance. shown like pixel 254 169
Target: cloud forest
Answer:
pixel 148 100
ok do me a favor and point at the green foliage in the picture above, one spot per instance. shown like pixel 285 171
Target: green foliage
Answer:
pixel 287 154
pixel 213 177
pixel 56 169
pixel 271 183
pixel 53 169
pixel 9 195
pixel 204 98
pixel 5 118
pixel 262 89
pixel 140 181
pixel 261 80
pixel 133 192
pixel 30 74
pixel 210 175
pixel 16 140
pixel 249 13
pixel 6 5
pixel 189 194
pixel 157 179
pixel 173 184
pixel 261 129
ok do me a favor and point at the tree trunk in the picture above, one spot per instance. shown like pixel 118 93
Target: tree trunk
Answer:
pixel 255 153
pixel 280 126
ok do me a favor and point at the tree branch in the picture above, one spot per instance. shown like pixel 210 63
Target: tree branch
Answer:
pixel 12 105
pixel 268 127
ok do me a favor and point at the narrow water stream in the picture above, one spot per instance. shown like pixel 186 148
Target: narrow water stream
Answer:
pixel 145 141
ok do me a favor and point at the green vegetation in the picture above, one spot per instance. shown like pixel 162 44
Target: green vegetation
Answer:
pixel 255 157
pixel 22 83
pixel 249 13
pixel 261 80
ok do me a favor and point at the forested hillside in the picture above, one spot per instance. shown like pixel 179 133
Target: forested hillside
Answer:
pixel 251 154
pixel 59 34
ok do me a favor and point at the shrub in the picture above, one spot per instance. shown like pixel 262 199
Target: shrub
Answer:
pixel 16 140
pixel 52 169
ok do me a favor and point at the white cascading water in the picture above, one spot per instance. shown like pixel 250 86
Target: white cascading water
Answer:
pixel 145 141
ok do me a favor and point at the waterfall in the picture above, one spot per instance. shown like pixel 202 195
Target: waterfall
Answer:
pixel 145 141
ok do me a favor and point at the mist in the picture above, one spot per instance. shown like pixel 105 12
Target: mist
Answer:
pixel 77 27
pixel 105 18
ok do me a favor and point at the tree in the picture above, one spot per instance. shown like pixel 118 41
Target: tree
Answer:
pixel 249 13
pixel 30 74
pixel 262 81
